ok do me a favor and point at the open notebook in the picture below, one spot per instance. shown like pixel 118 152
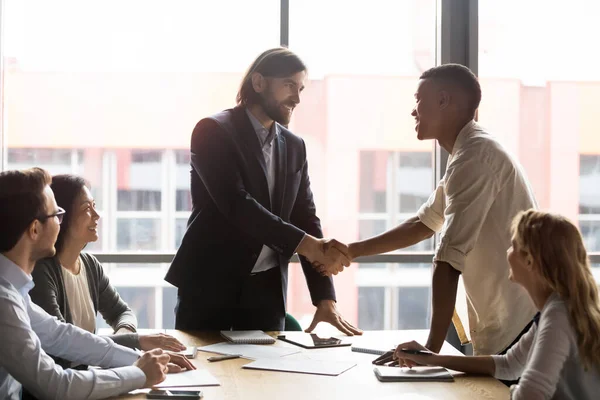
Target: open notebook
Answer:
pixel 247 337
pixel 415 374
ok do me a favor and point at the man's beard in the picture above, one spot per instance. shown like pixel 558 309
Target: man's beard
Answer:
pixel 273 109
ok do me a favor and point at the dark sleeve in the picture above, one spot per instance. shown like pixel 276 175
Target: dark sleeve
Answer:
pixel 214 160
pixel 131 340
pixel 113 309
pixel 304 216
pixel 47 289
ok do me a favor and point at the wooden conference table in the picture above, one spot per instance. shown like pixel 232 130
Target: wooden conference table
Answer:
pixel 357 383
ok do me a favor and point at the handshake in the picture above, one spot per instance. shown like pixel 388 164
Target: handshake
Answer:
pixel 328 256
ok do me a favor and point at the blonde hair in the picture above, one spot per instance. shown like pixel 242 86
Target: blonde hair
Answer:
pixel 556 245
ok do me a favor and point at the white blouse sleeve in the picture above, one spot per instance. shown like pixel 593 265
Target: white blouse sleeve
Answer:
pixel 549 352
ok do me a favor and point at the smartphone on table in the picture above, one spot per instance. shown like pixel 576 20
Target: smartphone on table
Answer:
pixel 174 394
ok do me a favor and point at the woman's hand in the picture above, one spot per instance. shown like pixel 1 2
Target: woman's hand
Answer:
pixel 160 341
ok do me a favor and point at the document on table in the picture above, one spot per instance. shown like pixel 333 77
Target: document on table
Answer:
pixel 249 351
pixel 316 367
pixel 196 377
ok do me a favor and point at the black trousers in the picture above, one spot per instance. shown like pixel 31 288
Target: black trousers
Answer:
pixel 258 304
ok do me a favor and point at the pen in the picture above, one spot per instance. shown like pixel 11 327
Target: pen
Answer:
pixel 223 357
pixel 417 352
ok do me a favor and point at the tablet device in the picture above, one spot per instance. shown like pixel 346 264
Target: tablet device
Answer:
pixel 174 394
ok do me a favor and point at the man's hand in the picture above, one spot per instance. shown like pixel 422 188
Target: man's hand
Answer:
pixel 154 364
pixel 327 262
pixel 327 312
pixel 160 341
pixel 179 363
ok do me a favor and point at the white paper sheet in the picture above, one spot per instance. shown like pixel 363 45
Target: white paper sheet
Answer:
pixel 197 377
pixel 316 367
pixel 249 351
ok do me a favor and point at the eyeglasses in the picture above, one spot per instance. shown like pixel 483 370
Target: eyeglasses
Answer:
pixel 59 214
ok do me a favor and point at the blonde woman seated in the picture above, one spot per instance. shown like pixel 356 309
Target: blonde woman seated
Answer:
pixel 72 285
pixel 559 357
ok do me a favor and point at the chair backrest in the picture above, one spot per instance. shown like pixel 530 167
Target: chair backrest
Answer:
pixel 291 324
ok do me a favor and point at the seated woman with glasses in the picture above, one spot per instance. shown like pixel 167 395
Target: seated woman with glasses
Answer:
pixel 72 285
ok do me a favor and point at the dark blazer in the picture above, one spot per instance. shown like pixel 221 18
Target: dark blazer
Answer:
pixel 232 215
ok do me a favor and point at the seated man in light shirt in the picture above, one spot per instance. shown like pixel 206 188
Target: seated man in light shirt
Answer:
pixel 29 224
pixel 484 187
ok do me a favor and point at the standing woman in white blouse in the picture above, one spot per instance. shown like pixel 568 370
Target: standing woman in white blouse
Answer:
pixel 72 285
pixel 559 357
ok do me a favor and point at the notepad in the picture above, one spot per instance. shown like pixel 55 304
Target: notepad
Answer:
pixel 377 350
pixel 196 377
pixel 415 374
pixel 249 351
pixel 316 367
pixel 247 337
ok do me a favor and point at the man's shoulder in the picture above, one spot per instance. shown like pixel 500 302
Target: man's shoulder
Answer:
pixel 484 147
pixel 8 293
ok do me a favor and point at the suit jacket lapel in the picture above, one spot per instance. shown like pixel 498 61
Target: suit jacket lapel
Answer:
pixel 280 174
pixel 250 146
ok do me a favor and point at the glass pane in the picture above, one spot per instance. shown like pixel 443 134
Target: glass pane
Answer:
pixel 414 180
pixel 373 181
pixel 138 234
pixel 138 200
pixel 540 87
pixel 183 200
pixel 369 228
pixel 168 303
pixel 141 300
pixel 589 184
pixel 590 230
pixel 414 307
pixel 395 38
pixel 180 228
pixel 371 305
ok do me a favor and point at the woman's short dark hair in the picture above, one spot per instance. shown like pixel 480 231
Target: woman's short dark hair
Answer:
pixel 22 201
pixel 66 188
pixel 273 63
pixel 459 76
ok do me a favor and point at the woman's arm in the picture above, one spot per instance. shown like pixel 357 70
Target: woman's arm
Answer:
pixel 481 365
pixel 553 345
pixel 110 305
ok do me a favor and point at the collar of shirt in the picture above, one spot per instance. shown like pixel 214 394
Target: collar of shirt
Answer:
pixel 264 136
pixel 15 276
pixel 469 129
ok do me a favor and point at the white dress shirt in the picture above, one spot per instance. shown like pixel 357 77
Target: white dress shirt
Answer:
pixel 28 332
pixel 267 258
pixel 483 189
pixel 547 360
